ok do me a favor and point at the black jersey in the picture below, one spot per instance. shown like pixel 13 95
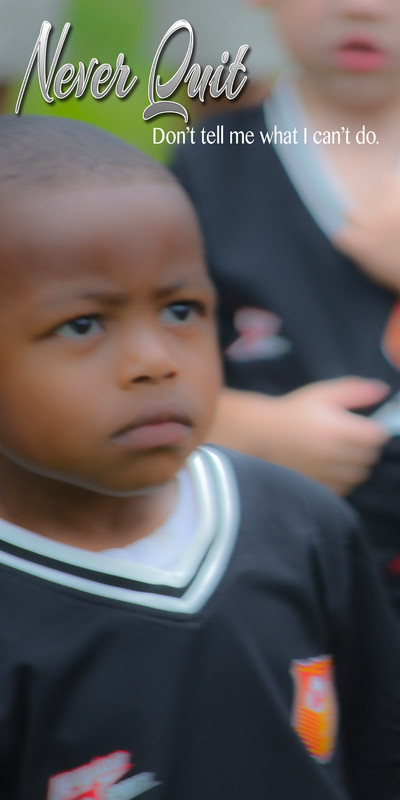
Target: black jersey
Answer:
pixel 267 667
pixel 293 310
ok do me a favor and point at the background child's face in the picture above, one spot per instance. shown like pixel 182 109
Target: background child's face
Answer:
pixel 349 48
pixel 110 372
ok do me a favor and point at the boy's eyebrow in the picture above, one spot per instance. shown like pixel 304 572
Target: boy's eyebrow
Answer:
pixel 117 299
pixel 164 291
pixel 107 297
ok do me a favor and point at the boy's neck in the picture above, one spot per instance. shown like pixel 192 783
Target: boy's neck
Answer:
pixel 79 517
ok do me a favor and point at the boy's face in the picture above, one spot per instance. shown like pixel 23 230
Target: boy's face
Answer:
pixel 110 371
pixel 349 48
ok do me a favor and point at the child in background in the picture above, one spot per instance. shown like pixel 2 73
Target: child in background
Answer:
pixel 178 622
pixel 308 334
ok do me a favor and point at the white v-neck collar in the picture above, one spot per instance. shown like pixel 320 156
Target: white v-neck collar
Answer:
pixel 184 589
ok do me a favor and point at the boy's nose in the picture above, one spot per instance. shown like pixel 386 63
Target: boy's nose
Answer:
pixel 362 9
pixel 145 358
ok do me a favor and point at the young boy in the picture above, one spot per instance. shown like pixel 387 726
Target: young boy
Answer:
pixel 296 315
pixel 182 623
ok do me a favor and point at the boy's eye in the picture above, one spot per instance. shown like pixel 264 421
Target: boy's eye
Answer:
pixel 79 328
pixel 177 313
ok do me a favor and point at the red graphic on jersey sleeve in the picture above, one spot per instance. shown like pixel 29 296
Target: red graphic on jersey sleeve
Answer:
pixel 315 714
pixel 91 781
pixel 258 338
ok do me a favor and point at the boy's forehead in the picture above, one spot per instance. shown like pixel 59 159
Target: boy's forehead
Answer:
pixel 81 212
pixel 75 227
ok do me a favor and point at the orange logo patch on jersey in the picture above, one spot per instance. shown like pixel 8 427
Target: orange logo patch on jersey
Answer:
pixel 315 714
pixel 391 337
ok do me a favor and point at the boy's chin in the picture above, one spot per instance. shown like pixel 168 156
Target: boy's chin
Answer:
pixel 360 91
pixel 127 492
pixel 150 472
pixel 135 486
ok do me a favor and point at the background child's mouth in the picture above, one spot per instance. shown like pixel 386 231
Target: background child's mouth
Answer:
pixel 360 55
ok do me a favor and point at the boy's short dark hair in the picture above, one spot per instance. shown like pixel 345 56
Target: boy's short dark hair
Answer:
pixel 54 152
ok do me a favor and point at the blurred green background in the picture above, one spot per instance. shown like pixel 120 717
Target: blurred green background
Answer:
pixel 102 30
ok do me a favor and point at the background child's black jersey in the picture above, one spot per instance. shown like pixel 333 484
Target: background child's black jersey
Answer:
pixel 272 673
pixel 325 317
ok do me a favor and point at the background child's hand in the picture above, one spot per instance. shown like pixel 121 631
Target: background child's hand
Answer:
pixel 311 430
pixel 320 436
pixel 372 235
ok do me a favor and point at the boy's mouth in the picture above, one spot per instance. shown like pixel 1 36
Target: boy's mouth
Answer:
pixel 360 54
pixel 163 428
